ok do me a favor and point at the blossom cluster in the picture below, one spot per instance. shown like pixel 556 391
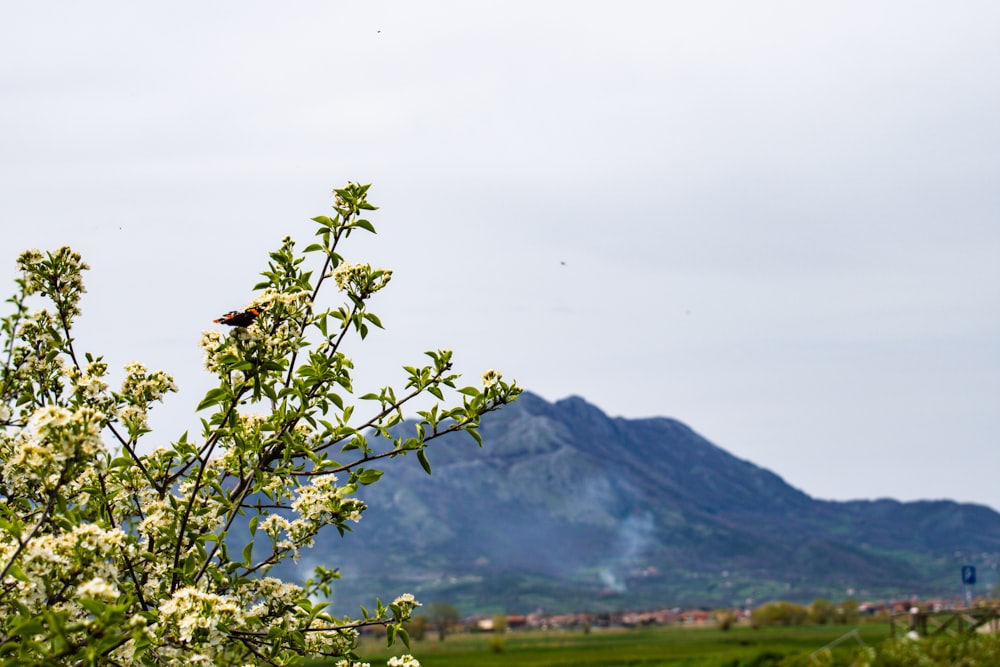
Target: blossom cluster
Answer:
pixel 317 504
pixel 360 280
pixel 139 390
pixel 57 275
pixel 33 371
pixel 403 661
pixel 192 615
pixel 491 378
pixel 53 448
pixel 273 335
pixel 81 558
pixel 90 387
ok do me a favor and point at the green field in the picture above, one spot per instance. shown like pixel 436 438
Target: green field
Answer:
pixel 648 646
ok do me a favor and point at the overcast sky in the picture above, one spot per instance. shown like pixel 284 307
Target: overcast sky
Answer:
pixel 778 222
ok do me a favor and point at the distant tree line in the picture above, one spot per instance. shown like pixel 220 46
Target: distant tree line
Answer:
pixel 821 611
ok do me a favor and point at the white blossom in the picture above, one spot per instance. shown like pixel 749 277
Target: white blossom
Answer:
pixel 98 588
pixel 403 661
pixel 491 378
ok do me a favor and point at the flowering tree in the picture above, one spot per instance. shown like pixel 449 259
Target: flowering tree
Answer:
pixel 109 555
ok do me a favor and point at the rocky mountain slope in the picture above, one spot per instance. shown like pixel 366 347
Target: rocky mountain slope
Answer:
pixel 565 508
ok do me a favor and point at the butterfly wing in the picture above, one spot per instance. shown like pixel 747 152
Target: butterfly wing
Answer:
pixel 239 318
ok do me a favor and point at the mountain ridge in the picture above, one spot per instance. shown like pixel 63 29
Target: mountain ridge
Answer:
pixel 566 508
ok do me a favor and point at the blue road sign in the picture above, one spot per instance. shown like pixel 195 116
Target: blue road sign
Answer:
pixel 968 575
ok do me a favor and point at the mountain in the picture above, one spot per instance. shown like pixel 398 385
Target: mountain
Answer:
pixel 565 508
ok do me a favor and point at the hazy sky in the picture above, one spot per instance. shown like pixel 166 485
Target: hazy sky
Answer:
pixel 778 222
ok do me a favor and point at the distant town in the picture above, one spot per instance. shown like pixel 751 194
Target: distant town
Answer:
pixel 904 612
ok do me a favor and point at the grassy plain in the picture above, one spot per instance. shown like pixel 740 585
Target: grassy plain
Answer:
pixel 646 647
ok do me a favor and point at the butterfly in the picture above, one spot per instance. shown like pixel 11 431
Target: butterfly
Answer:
pixel 239 318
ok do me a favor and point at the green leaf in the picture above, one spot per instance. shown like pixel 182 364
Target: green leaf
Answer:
pixel 213 397
pixel 30 627
pixel 369 476
pixel 364 224
pixel 120 462
pixel 424 463
pixel 12 528
pixel 95 607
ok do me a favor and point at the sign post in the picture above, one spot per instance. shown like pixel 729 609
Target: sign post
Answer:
pixel 968 579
